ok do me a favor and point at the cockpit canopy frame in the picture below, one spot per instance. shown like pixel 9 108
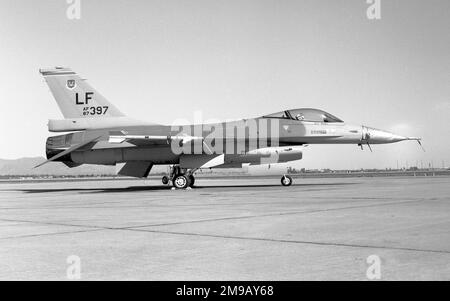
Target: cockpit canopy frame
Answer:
pixel 305 114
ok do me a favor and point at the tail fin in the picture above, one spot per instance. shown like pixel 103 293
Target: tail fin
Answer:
pixel 75 97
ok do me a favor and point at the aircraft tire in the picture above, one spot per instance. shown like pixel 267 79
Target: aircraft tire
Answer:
pixel 191 181
pixel 181 182
pixel 286 180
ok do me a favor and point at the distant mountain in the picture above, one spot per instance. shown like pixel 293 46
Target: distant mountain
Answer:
pixel 24 167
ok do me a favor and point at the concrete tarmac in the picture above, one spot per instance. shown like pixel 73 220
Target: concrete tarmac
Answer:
pixel 228 229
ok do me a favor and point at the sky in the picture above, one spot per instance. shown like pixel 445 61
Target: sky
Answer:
pixel 165 60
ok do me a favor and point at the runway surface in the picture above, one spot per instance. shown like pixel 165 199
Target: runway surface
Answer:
pixel 227 229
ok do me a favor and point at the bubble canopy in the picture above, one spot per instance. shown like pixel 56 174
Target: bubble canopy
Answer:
pixel 312 115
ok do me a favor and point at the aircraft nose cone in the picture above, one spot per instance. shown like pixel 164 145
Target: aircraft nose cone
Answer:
pixel 380 136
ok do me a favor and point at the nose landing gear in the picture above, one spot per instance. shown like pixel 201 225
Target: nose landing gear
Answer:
pixel 286 180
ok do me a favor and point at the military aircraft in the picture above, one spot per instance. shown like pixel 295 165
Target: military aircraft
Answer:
pixel 101 134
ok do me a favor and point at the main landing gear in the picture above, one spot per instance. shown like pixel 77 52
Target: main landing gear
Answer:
pixel 181 178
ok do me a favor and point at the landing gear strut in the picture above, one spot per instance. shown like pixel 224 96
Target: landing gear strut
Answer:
pixel 181 178
pixel 286 180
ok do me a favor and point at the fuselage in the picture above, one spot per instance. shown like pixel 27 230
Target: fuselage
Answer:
pixel 242 141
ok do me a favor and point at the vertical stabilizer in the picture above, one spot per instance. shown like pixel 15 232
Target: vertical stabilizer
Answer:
pixel 75 97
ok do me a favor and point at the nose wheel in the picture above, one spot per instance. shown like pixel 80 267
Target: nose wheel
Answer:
pixel 286 180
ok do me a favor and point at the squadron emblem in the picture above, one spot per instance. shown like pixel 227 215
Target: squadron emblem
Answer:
pixel 71 83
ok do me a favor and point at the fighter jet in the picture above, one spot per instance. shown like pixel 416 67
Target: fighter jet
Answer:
pixel 98 133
